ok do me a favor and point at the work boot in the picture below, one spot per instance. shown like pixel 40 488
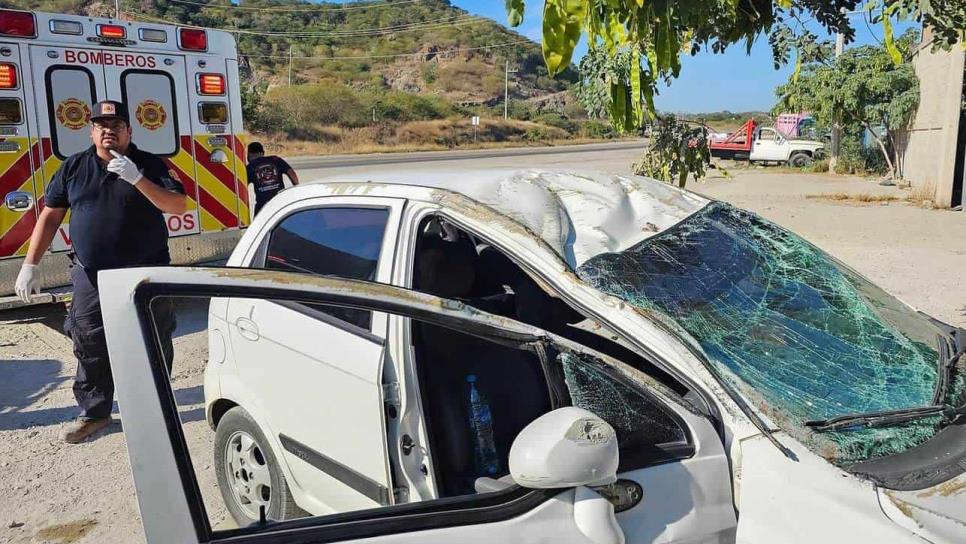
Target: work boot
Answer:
pixel 80 429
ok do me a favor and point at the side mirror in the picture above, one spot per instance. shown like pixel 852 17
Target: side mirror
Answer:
pixel 568 447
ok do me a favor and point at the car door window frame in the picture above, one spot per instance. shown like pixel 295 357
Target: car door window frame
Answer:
pixel 257 254
pixel 439 513
pixel 147 399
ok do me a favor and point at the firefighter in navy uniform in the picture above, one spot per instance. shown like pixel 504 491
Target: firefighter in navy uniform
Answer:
pixel 265 173
pixel 116 194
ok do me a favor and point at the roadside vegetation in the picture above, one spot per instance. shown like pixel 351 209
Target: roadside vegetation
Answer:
pixel 868 93
pixel 862 198
pixel 636 46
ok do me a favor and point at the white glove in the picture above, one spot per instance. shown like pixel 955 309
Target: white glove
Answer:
pixel 27 282
pixel 124 168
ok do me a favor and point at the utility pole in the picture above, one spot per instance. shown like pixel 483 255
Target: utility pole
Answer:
pixel 506 90
pixel 117 9
pixel 837 125
pixel 290 66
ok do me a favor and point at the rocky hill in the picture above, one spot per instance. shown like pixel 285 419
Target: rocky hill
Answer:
pixel 416 46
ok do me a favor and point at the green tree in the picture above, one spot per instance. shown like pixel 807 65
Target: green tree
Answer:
pixel 657 32
pixel 675 150
pixel 601 77
pixel 862 88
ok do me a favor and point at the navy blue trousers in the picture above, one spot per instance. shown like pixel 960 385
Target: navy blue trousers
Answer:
pixel 93 383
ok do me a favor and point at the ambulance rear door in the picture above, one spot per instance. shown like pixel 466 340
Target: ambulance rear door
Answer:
pixel 68 81
pixel 156 93
pixel 221 179
pixel 18 211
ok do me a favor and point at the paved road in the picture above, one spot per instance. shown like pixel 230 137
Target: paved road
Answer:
pixel 620 155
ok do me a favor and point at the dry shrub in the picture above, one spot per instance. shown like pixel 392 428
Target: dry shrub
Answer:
pixel 472 77
pixel 864 198
pixel 415 136
pixel 454 132
pixel 923 195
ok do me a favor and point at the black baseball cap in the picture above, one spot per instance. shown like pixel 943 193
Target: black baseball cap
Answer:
pixel 109 109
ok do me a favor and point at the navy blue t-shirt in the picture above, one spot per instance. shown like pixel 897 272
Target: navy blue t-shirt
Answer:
pixel 111 223
pixel 266 174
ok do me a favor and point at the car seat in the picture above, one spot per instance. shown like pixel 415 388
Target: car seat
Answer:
pixel 512 379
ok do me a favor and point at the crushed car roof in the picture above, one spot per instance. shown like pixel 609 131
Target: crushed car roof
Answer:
pixel 578 214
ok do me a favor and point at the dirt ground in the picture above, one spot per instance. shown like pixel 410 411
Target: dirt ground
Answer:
pixel 58 493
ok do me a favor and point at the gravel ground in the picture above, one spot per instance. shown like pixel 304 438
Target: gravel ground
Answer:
pixel 60 493
pixel 54 492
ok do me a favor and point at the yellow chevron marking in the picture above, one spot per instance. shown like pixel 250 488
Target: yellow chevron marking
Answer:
pixel 210 183
pixel 186 163
pixel 241 173
pixel 9 218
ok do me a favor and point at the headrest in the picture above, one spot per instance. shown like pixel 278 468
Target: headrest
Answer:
pixel 445 269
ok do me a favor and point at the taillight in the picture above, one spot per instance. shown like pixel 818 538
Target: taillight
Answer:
pixel 114 32
pixel 8 76
pixel 211 84
pixel 192 39
pixel 17 23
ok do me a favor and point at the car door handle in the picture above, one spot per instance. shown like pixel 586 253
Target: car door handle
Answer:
pixel 247 328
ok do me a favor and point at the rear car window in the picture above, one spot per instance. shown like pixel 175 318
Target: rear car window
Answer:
pixel 342 242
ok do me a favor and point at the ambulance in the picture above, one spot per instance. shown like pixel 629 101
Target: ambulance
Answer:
pixel 182 91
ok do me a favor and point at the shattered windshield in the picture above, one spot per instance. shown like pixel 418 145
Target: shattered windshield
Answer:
pixel 799 334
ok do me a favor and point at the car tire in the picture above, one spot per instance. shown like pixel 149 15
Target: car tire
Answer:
pixel 799 160
pixel 249 475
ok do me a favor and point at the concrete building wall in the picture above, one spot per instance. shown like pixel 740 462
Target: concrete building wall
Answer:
pixel 930 156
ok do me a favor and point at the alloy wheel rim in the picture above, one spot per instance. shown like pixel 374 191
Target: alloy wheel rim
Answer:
pixel 248 474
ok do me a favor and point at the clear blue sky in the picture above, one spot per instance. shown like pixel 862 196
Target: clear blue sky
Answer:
pixel 730 81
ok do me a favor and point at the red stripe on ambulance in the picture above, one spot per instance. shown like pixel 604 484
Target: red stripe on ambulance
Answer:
pixel 216 209
pixel 241 153
pixel 224 175
pixel 16 175
pixel 17 235
pixel 187 182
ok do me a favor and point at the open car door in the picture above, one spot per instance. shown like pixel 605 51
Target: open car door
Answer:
pixel 659 498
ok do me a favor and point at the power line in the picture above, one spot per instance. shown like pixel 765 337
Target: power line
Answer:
pixel 366 32
pixel 356 6
pixel 397 55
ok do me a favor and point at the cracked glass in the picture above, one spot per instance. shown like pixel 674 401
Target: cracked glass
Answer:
pixel 798 333
pixel 639 420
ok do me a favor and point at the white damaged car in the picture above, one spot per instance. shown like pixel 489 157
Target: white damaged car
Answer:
pixel 416 359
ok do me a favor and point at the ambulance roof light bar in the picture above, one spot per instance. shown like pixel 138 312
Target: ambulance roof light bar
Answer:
pixel 18 23
pixel 192 39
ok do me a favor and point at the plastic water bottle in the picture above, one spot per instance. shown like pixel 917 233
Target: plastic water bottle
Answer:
pixel 481 425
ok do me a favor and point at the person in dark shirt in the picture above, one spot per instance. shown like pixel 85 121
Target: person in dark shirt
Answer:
pixel 265 173
pixel 116 194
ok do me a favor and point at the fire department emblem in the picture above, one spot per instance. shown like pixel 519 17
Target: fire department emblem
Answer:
pixel 73 113
pixel 151 115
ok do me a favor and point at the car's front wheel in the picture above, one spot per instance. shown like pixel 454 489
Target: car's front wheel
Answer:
pixel 249 476
pixel 799 160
